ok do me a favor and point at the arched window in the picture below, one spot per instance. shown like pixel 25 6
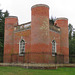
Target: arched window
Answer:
pixel 21 47
pixel 53 48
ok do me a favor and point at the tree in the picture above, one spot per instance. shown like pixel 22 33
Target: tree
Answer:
pixel 6 14
pixel 73 34
pixel 71 40
pixel 2 23
pixel 72 47
pixel 52 20
pixel 70 31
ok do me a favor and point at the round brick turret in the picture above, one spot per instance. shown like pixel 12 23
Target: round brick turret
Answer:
pixel 10 22
pixel 63 24
pixel 39 29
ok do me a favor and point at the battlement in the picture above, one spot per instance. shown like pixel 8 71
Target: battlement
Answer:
pixel 26 26
pixel 22 27
pixel 54 28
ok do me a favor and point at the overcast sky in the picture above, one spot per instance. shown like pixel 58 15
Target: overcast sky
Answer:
pixel 22 9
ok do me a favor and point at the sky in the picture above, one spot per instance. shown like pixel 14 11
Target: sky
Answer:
pixel 22 9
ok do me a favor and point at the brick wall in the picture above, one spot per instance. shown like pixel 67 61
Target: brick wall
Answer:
pixel 38 38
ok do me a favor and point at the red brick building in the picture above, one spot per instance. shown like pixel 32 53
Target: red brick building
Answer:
pixel 37 41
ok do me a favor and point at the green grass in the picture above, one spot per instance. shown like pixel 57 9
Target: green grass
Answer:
pixel 22 71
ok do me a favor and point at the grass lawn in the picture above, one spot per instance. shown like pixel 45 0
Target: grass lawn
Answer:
pixel 22 71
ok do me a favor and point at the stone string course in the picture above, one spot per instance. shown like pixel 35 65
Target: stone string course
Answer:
pixel 37 66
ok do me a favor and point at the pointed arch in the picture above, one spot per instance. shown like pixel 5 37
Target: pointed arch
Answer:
pixel 21 47
pixel 53 47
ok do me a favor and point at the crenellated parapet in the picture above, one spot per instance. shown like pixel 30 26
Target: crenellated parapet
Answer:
pixel 55 28
pixel 27 26
pixel 22 27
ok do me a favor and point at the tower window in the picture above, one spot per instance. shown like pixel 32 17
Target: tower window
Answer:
pixel 22 47
pixel 53 48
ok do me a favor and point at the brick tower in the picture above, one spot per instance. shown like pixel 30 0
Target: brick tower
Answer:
pixel 10 22
pixel 39 30
pixel 64 43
